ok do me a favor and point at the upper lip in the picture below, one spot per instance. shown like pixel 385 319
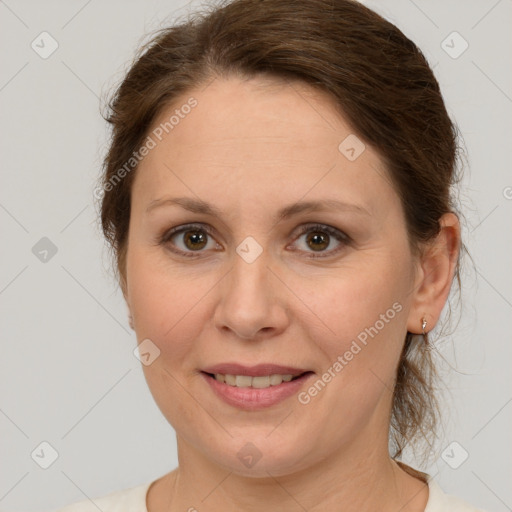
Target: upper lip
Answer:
pixel 255 371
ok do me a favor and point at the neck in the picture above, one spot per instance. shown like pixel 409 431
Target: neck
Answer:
pixel 358 479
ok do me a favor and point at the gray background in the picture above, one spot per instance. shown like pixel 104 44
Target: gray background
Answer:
pixel 68 374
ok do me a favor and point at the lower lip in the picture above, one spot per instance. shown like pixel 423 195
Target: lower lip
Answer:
pixel 251 399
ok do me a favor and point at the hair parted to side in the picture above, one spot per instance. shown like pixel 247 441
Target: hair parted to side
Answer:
pixel 381 83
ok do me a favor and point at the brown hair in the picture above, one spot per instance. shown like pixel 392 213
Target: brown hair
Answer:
pixel 382 84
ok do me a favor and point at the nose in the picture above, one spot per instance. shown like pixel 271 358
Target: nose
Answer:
pixel 251 302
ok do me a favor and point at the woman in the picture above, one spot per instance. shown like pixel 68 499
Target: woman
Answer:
pixel 278 195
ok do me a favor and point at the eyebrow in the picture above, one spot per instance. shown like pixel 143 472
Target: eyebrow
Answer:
pixel 202 207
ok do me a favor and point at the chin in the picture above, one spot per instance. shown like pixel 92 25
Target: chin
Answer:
pixel 261 457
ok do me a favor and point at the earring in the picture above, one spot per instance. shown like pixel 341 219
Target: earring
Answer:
pixel 423 325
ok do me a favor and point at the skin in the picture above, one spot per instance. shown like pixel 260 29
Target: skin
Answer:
pixel 251 147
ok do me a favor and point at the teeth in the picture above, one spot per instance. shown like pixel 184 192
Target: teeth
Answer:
pixel 243 381
pixel 275 380
pixel 246 381
pixel 260 382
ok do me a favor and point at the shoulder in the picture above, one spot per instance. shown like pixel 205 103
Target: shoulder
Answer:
pixel 439 501
pixel 132 499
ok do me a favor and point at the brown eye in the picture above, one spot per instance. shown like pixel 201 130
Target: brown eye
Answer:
pixel 195 239
pixel 317 241
pixel 190 239
pixel 319 238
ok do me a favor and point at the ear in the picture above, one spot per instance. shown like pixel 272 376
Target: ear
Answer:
pixel 436 270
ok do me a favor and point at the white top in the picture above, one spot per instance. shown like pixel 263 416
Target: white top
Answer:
pixel 134 500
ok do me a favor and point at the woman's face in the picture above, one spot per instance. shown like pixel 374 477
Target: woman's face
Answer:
pixel 326 290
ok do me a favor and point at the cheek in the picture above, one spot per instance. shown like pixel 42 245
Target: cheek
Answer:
pixel 366 315
pixel 360 322
pixel 168 309
pixel 168 306
pixel 356 299
pixel 172 307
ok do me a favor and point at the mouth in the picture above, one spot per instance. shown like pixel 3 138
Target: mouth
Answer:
pixel 252 381
pixel 256 387
pixel 260 376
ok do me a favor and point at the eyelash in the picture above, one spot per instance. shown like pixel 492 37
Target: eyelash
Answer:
pixel 322 228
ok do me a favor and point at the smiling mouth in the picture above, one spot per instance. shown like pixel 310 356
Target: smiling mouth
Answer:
pixel 256 382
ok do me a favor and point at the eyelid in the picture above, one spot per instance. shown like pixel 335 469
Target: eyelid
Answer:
pixel 186 227
pixel 305 228
pixel 339 235
pixel 183 228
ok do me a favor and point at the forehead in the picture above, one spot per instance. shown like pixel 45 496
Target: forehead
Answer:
pixel 259 138
pixel 257 110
